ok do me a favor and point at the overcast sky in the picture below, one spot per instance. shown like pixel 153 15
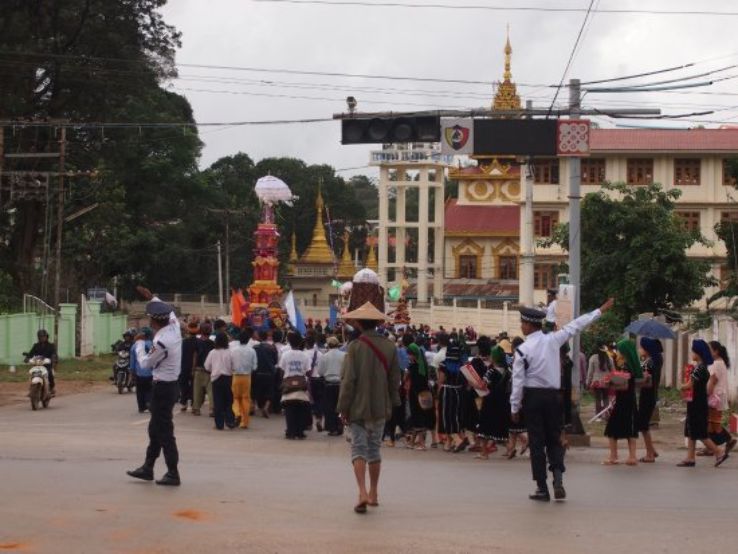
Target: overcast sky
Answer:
pixel 436 43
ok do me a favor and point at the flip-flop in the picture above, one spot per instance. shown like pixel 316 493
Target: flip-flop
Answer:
pixel 510 455
pixel 645 460
pixel 721 459
pixel 610 463
pixel 360 508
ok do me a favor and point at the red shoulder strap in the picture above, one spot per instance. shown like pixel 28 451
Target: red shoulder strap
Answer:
pixel 377 352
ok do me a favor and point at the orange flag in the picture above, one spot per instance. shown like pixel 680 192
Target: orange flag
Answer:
pixel 239 307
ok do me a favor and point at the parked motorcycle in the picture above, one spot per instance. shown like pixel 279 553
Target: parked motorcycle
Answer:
pixel 122 369
pixel 38 388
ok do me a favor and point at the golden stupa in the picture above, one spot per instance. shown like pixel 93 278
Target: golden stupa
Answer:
pixel 318 252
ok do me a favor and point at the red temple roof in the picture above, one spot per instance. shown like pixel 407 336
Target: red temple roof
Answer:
pixel 664 140
pixel 502 220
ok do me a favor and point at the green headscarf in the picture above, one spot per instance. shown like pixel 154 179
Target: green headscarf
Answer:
pixel 418 355
pixel 628 349
pixel 498 356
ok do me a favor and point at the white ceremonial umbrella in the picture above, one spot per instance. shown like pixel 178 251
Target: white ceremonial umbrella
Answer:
pixel 272 190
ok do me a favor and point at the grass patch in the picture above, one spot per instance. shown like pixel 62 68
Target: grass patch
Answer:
pixel 98 368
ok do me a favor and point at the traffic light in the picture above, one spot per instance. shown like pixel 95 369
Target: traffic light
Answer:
pixel 385 130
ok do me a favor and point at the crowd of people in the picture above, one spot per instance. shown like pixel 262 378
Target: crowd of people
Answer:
pixel 242 372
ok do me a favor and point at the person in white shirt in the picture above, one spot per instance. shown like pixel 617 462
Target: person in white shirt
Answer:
pixel 536 384
pixel 244 364
pixel 219 364
pixel 164 359
pixel 329 369
pixel 552 306
pixel 317 383
pixel 295 364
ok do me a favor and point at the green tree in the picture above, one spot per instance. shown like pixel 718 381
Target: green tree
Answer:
pixel 634 248
pixel 90 61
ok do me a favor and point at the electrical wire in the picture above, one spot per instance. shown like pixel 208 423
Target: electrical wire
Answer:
pixel 551 9
pixel 571 56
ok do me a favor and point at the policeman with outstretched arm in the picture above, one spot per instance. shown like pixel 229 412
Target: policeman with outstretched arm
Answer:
pixel 535 389
pixel 164 359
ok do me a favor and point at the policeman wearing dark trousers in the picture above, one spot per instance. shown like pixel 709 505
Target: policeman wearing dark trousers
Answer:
pixel 535 389
pixel 164 359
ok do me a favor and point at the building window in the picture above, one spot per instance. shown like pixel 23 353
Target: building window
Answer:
pixel 508 267
pixel 726 275
pixel 691 220
pixel 640 171
pixel 468 267
pixel 593 171
pixel 544 223
pixel 729 179
pixel 544 276
pixel 546 172
pixel 687 171
pixel 729 217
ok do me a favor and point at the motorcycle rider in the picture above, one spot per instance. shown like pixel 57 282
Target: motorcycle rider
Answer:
pixel 45 349
pixel 125 344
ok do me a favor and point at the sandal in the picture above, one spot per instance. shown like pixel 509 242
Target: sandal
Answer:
pixel 360 508
pixel 511 454
pixel 645 460
pixel 631 463
pixel 610 463
pixel 420 447
pixel 686 463
pixel 461 446
pixel 721 459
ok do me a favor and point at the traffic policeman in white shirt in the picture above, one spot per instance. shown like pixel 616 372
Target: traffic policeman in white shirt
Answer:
pixel 164 359
pixel 535 389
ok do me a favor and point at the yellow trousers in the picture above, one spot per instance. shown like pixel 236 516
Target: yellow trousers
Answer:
pixel 241 389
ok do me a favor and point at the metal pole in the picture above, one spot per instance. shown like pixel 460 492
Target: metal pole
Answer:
pixel 575 181
pixel 220 280
pixel 59 229
pixel 227 255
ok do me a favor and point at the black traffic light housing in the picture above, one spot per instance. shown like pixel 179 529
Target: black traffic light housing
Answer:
pixel 385 130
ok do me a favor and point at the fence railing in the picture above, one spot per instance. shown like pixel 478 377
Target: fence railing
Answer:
pixel 33 304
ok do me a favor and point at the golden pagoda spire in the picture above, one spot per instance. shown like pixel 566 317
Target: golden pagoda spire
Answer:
pixel 507 97
pixel 371 258
pixel 346 269
pixel 318 252
pixel 293 256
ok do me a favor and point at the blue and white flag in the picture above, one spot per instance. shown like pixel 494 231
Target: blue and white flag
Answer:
pixel 293 314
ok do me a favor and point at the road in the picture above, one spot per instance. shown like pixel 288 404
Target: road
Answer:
pixel 64 489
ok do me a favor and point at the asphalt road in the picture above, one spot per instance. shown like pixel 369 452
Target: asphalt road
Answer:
pixel 64 489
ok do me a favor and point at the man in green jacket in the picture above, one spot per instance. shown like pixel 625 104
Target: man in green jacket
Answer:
pixel 370 388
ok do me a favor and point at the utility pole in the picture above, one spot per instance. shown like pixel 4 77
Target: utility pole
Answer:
pixel 575 241
pixel 227 254
pixel 527 256
pixel 59 229
pixel 220 280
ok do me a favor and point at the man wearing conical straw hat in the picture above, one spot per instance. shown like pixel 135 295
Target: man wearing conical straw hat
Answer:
pixel 370 383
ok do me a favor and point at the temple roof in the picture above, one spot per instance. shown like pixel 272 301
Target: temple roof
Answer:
pixel 664 140
pixel 318 252
pixel 481 220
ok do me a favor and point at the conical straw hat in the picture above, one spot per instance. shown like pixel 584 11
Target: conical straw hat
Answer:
pixel 365 311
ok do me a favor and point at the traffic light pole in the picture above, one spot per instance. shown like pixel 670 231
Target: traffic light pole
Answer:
pixel 575 241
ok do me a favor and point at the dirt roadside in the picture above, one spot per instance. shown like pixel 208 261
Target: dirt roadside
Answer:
pixel 16 393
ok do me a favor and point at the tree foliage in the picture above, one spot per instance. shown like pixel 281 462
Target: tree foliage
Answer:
pixel 634 247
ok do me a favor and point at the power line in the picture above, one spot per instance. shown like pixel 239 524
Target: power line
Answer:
pixel 571 56
pixel 498 8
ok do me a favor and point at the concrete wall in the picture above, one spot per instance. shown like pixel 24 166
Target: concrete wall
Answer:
pixel 98 331
pixel 18 333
